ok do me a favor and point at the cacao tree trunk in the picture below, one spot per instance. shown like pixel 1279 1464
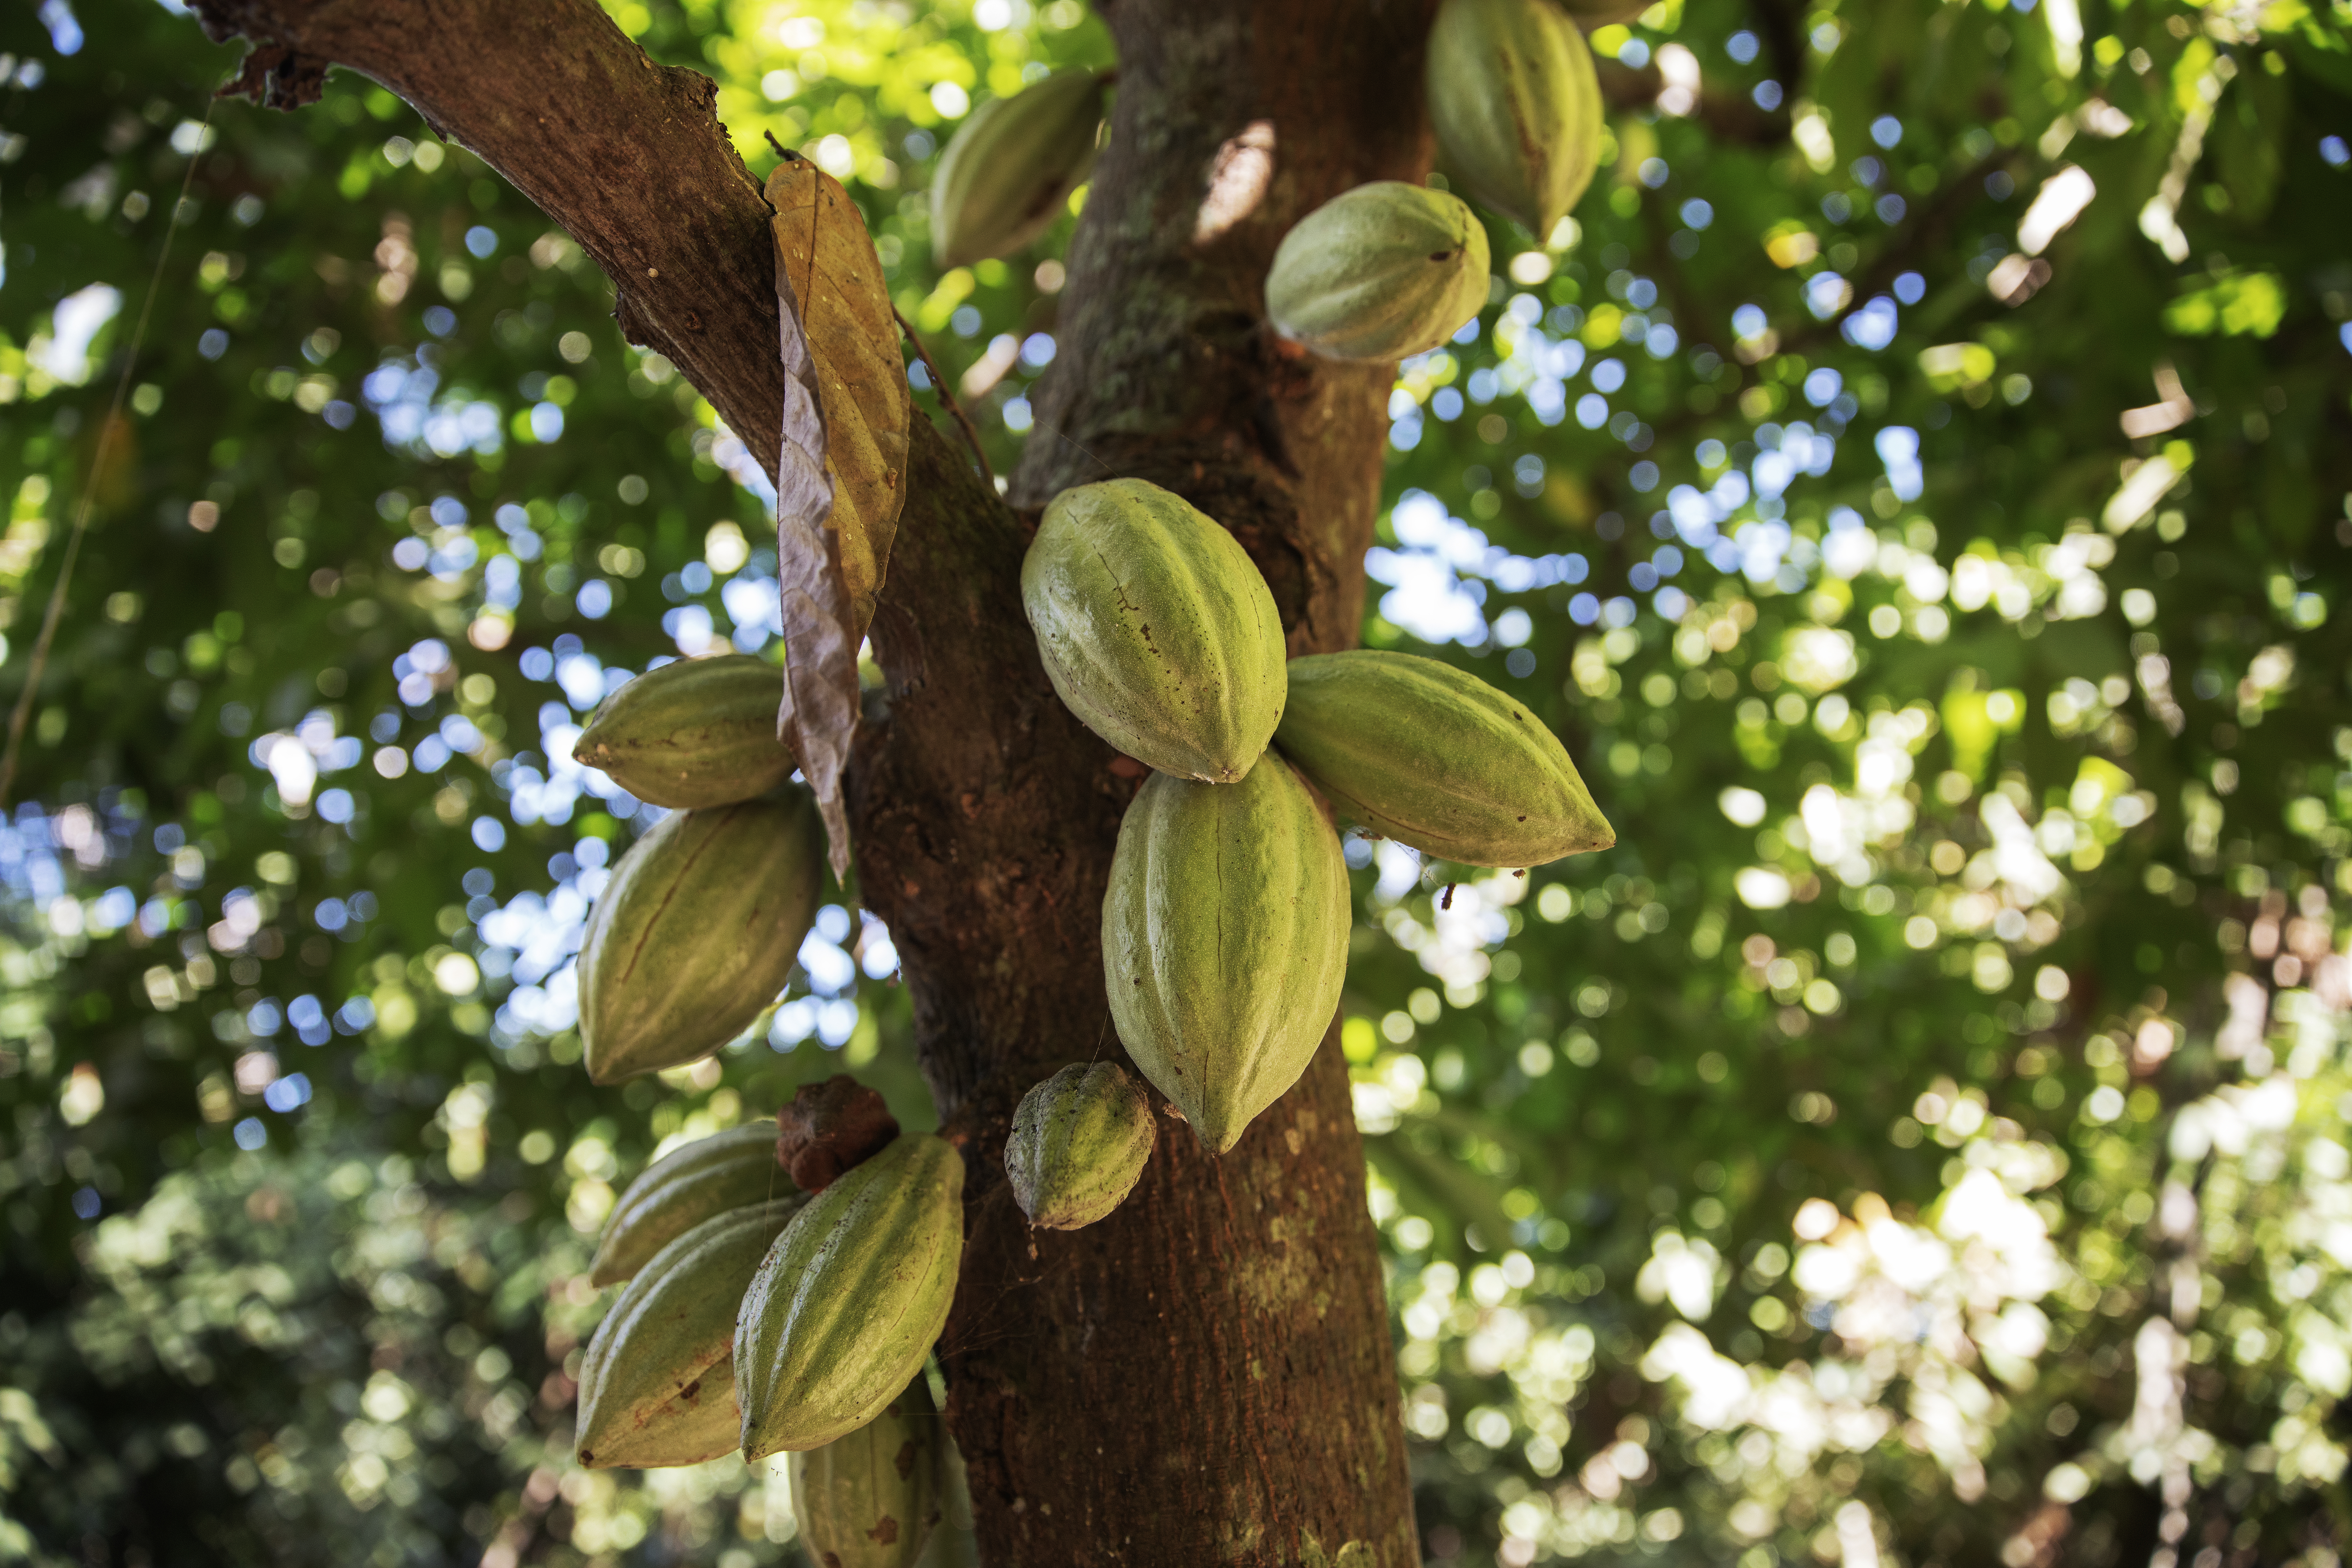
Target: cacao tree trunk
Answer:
pixel 1206 1376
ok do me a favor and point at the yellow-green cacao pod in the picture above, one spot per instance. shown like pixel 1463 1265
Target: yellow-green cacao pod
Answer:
pixel 1079 1142
pixel 699 732
pixel 846 1304
pixel 696 933
pixel 1010 168
pixel 1421 752
pixel 1378 272
pixel 708 1177
pixel 871 1498
pixel 658 1385
pixel 1516 105
pixel 1155 628
pixel 1225 939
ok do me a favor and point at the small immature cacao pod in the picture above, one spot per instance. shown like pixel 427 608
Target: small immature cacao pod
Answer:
pixel 658 1385
pixel 699 732
pixel 1010 168
pixel 1516 105
pixel 696 932
pixel 1378 272
pixel 711 1176
pixel 1224 939
pixel 846 1304
pixel 1421 752
pixel 1079 1142
pixel 870 1498
pixel 1155 628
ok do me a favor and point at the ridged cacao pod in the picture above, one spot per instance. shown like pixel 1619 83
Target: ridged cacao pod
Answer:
pixel 1378 272
pixel 699 732
pixel 1011 166
pixel 846 1304
pixel 870 1498
pixel 708 1177
pixel 658 1385
pixel 1225 940
pixel 696 933
pixel 1425 754
pixel 1516 105
pixel 1079 1142
pixel 1155 628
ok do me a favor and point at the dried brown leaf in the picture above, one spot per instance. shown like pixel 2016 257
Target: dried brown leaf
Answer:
pixel 840 481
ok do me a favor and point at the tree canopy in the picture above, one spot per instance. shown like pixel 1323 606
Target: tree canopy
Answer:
pixel 1916 481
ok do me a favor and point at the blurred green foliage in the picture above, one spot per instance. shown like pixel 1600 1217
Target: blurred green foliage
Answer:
pixel 1916 481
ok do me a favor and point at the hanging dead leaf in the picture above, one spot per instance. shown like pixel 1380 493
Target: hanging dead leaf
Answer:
pixel 840 479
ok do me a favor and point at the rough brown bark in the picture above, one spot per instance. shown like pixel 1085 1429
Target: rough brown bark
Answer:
pixel 1205 1376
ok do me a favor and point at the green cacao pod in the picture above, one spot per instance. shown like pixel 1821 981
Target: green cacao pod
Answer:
pixel 1516 105
pixel 846 1304
pixel 871 1498
pixel 699 732
pixel 1225 940
pixel 709 1176
pixel 1425 754
pixel 1378 272
pixel 1155 628
pixel 658 1385
pixel 1079 1143
pixel 696 933
pixel 1010 168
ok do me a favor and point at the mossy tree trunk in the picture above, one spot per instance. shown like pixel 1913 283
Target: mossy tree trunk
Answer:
pixel 1206 1376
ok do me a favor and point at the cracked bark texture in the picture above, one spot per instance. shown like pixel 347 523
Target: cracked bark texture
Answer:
pixel 1206 1376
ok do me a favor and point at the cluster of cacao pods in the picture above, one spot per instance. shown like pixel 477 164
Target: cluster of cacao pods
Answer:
pixel 1224 930
pixel 766 1312
pixel 1388 270
pixel 758 1312
pixel 700 926
pixel 757 1316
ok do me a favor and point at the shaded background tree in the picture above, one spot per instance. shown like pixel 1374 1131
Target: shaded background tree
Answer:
pixel 1918 1140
